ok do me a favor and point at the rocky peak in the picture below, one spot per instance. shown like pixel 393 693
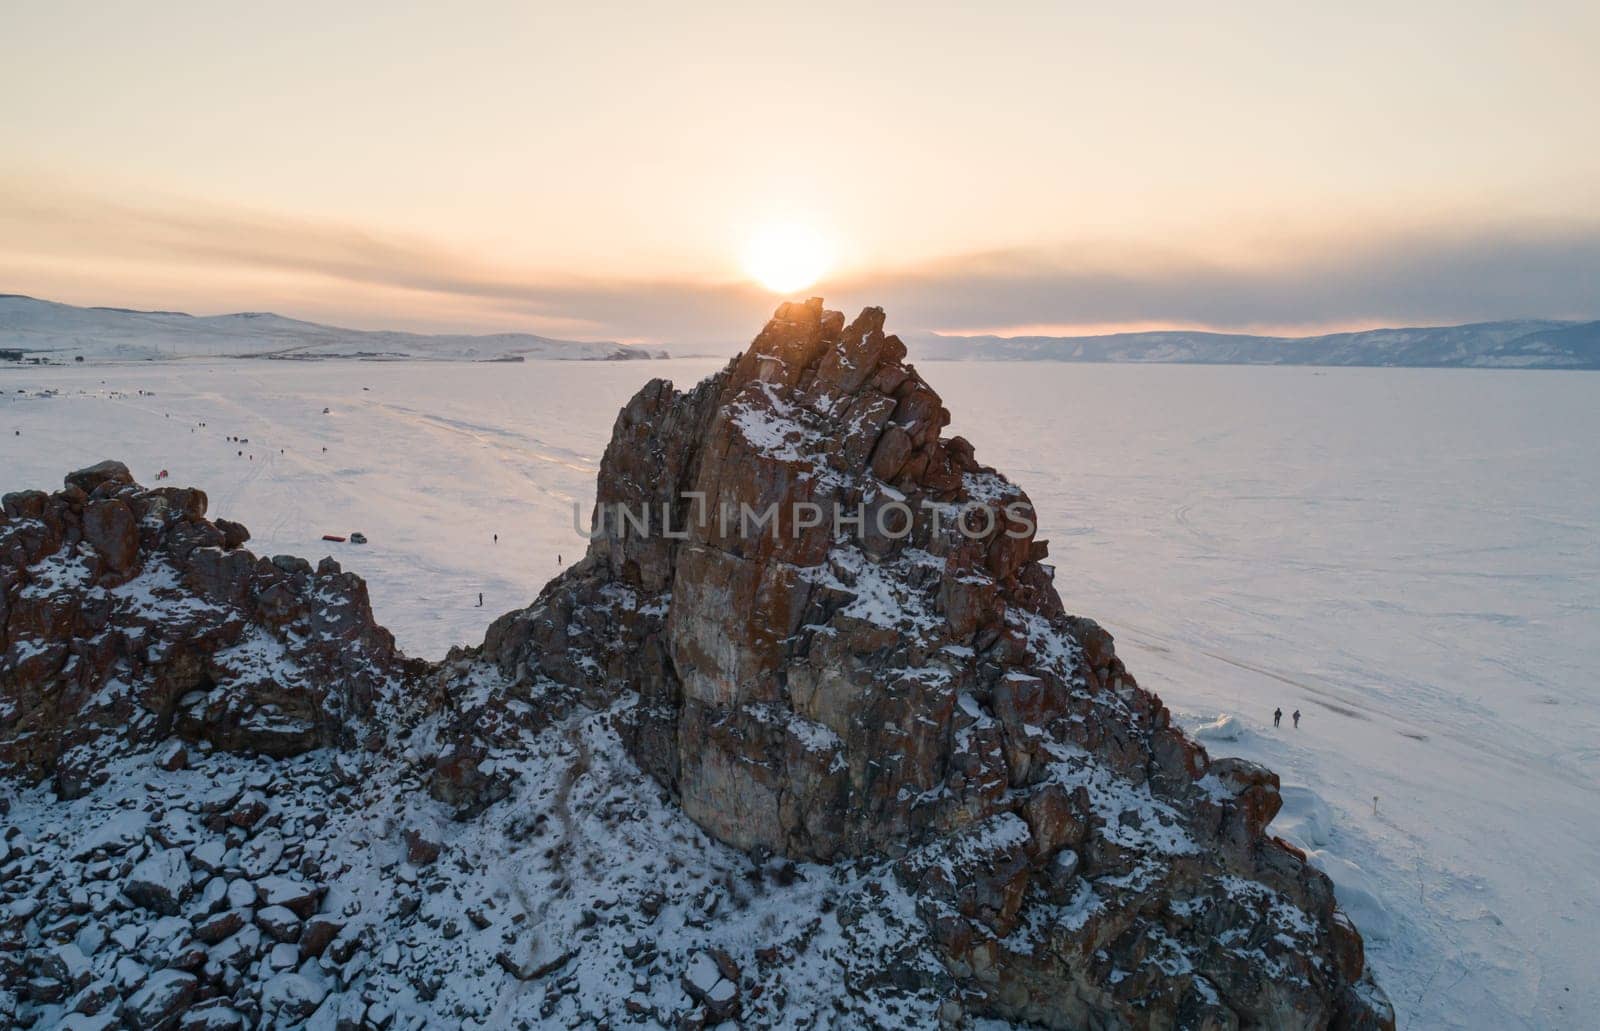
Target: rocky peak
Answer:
pixel 886 669
pixel 123 609
pixel 877 661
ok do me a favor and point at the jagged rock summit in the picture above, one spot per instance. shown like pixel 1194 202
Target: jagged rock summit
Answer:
pixel 126 616
pixel 897 677
pixel 890 781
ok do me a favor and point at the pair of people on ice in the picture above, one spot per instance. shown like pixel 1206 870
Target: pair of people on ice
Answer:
pixel 1277 718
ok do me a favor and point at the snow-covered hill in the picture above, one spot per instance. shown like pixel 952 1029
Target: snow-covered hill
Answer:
pixel 1522 343
pixel 62 331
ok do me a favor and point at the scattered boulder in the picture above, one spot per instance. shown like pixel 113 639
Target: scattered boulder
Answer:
pixel 241 893
pixel 215 1015
pixel 225 924
pixel 160 883
pixel 92 478
pixel 164 996
pixel 317 934
pixel 421 849
pixel 68 966
pixel 279 922
pixel 248 811
pixel 234 535
pixel 173 756
pixel 292 996
pixel 259 856
pixel 290 893
pixel 712 980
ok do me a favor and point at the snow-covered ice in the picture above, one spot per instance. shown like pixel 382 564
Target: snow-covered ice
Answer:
pixel 1408 557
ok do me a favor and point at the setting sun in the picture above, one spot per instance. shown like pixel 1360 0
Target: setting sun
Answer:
pixel 785 257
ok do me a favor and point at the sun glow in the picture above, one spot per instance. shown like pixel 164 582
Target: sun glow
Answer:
pixel 786 257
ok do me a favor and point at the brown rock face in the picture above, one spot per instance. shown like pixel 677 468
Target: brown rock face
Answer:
pixel 125 616
pixel 843 641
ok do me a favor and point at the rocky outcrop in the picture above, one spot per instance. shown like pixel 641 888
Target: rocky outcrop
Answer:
pixel 826 634
pixel 841 639
pixel 126 616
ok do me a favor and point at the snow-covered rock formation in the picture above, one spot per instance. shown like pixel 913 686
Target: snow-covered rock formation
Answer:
pixel 849 765
pixel 127 617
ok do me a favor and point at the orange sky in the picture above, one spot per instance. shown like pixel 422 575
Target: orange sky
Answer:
pixel 601 172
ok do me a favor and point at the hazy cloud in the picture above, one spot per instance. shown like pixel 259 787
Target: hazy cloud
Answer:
pixel 1423 274
pixel 1420 275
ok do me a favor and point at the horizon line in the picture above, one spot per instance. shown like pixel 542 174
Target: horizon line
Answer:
pixel 1025 331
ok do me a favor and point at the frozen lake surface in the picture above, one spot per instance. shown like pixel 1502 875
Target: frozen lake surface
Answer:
pixel 1411 558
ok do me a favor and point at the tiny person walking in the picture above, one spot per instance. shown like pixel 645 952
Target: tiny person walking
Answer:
pixel 480 599
pixel 1277 717
pixel 1297 719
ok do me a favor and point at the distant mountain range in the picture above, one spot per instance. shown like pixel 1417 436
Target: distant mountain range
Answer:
pixel 31 328
pixel 36 329
pixel 1519 344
